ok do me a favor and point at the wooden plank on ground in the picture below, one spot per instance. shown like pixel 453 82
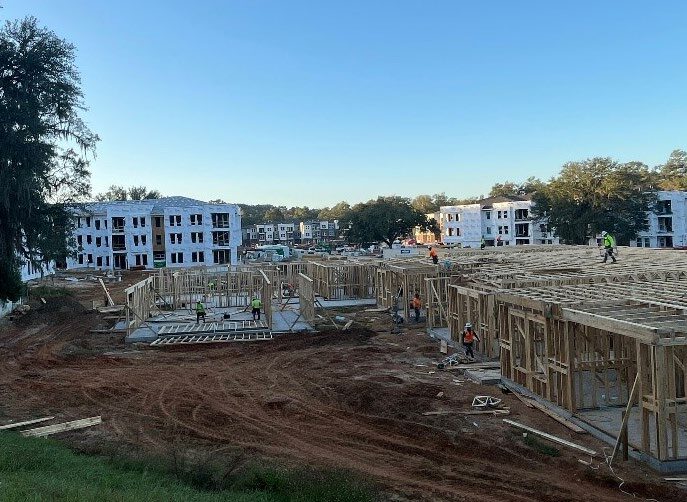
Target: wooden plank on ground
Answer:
pixel 551 437
pixel 562 420
pixel 527 402
pixel 26 422
pixel 65 426
pixel 107 293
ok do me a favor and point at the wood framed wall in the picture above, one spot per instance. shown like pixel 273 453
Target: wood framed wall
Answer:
pixel 306 304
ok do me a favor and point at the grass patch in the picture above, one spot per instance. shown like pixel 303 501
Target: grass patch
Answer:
pixel 43 469
pixel 48 292
pixel 541 447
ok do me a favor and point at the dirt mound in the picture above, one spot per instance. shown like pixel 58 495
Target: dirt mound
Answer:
pixel 339 399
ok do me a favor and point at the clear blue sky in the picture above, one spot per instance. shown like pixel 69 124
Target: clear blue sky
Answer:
pixel 313 102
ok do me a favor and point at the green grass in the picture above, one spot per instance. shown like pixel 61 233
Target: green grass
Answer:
pixel 36 469
pixel 48 292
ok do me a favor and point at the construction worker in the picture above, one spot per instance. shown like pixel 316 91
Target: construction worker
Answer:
pixel 433 255
pixel 417 304
pixel 469 337
pixel 256 305
pixel 609 246
pixel 482 244
pixel 200 311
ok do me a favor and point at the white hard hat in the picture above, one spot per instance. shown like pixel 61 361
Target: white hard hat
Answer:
pixel 604 233
pixel 468 325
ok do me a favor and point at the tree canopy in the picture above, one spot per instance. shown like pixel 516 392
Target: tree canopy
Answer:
pixel 594 195
pixel 673 174
pixel 386 219
pixel 510 188
pixel 44 148
pixel 116 192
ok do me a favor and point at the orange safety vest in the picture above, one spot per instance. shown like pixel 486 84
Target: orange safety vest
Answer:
pixel 432 253
pixel 468 336
pixel 417 303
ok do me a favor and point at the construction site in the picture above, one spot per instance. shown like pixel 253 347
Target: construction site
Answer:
pixel 578 386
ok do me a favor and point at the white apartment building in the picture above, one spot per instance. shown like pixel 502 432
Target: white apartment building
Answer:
pixel 271 233
pixel 667 223
pixel 166 232
pixel 500 221
pixel 313 232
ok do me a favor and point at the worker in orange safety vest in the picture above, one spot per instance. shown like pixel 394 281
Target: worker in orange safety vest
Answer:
pixel 469 337
pixel 433 255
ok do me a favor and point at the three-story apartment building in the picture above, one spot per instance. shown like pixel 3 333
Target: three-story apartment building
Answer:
pixel 172 232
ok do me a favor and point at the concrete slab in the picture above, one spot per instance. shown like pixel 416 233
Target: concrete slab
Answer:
pixel 484 376
pixel 609 419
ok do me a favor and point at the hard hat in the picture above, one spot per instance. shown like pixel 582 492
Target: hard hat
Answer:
pixel 604 233
pixel 468 325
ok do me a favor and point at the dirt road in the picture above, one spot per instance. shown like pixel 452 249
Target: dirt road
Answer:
pixel 352 400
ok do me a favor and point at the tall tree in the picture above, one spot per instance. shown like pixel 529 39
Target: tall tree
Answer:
pixel 44 148
pixel 385 219
pixel 510 189
pixel 340 211
pixel 117 192
pixel 673 174
pixel 425 204
pixel 594 195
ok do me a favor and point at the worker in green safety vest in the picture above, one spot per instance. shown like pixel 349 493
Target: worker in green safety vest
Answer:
pixel 609 246
pixel 200 311
pixel 256 304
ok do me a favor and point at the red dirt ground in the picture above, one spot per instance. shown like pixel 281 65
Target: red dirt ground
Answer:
pixel 353 400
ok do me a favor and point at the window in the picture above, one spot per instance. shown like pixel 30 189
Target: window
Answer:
pixel 143 221
pixel 79 240
pixel 174 220
pixel 449 217
pixel 503 230
pixel 88 221
pixel 196 219
pixel 78 222
pixel 107 241
pixel 175 238
pixel 488 213
pixel 665 224
pixel 197 257
pixel 107 261
pixel 98 241
pixel 521 214
pixel 664 207
pixel 89 239
pixel 488 230
pixel 143 240
pixel 135 220
pixel 136 242
pixel 220 220
pixel 106 227
pixel 498 215
pixel 97 224
pixel 158 222
pixel 99 261
pixel 90 258
pixel 117 224
pixel 158 240
pixel 177 257
pixel 220 256
pixel 222 238
pixel 145 259
pixel 196 236
pixel 80 259
pixel 450 232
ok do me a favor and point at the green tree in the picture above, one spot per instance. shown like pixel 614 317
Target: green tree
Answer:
pixel 340 211
pixel 510 189
pixel 594 195
pixel 44 148
pixel 673 174
pixel 425 204
pixel 273 215
pixel 385 219
pixel 117 192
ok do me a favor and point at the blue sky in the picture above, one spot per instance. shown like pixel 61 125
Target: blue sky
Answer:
pixel 313 102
